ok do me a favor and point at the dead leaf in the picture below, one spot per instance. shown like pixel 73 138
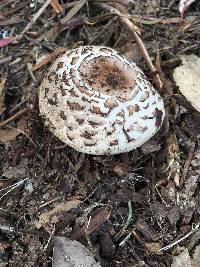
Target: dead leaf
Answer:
pixel 2 83
pixel 68 253
pixel 188 79
pixel 52 216
pixel 185 260
pixel 151 146
pixel 8 134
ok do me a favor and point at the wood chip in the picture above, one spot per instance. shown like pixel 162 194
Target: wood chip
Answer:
pixel 49 57
pixel 93 225
pixel 56 6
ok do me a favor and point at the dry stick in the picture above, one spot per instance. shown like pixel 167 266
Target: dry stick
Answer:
pixel 48 58
pixel 135 32
pixel 22 132
pixel 78 5
pixel 14 117
pixel 123 17
pixel 147 58
pixel 35 18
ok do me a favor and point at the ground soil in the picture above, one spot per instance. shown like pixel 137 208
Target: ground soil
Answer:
pixel 135 203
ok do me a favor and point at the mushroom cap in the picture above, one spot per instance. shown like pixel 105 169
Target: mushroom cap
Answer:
pixel 99 102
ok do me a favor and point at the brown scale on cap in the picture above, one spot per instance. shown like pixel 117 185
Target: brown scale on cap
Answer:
pixel 75 106
pixel 132 109
pixel 60 65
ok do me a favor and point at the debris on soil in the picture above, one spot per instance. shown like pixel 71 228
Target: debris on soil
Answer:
pixel 2 83
pixel 134 209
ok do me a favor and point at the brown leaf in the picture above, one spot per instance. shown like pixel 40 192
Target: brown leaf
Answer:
pixel 52 216
pixel 173 215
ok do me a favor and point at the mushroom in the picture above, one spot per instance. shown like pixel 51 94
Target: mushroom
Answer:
pixel 99 102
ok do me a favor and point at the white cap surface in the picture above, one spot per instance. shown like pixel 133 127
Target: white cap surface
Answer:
pixel 99 102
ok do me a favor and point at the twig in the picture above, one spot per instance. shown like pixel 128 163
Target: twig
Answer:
pixel 29 67
pixel 181 239
pixel 147 58
pixel 14 117
pixel 56 6
pixel 52 33
pixel 35 18
pixel 123 17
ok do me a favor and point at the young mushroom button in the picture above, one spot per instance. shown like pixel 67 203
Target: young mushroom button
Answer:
pixel 99 102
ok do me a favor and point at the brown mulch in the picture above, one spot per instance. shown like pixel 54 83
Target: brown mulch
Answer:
pixel 126 208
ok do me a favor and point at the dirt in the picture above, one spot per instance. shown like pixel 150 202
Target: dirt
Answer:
pixel 125 208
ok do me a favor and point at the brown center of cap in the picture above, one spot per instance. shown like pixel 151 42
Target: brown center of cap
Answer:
pixel 110 76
